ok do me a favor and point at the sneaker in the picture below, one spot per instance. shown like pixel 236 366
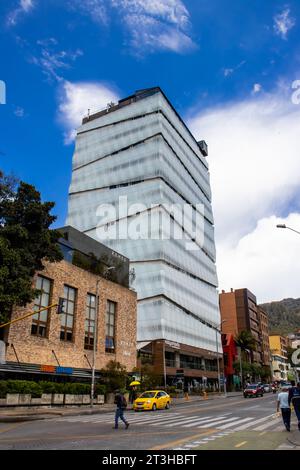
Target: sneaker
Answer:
pixel 127 425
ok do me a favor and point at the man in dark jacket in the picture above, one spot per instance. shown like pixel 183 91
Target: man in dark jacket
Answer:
pixel 294 397
pixel 121 403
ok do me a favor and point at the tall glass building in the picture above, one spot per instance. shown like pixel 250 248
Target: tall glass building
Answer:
pixel 140 184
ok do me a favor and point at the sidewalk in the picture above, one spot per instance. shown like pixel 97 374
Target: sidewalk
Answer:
pixel 18 414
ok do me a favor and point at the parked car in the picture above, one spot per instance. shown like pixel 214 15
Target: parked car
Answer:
pixel 253 390
pixel 152 400
pixel 267 388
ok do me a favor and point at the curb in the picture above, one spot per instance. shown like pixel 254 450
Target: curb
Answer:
pixel 49 415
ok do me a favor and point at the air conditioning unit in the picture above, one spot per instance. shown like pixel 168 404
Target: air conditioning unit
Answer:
pixel 203 147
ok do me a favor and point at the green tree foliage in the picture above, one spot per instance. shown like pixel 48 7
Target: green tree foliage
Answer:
pixel 284 316
pixel 114 376
pixel 25 241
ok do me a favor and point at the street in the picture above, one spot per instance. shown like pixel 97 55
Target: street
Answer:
pixel 223 423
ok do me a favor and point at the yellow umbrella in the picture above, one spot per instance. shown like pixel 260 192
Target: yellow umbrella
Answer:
pixel 135 382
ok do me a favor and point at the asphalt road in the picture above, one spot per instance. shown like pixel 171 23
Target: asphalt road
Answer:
pixel 232 423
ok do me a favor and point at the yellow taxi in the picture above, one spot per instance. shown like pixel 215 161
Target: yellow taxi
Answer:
pixel 152 400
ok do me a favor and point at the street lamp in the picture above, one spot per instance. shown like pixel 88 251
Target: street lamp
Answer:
pixel 289 228
pixel 218 329
pixel 95 344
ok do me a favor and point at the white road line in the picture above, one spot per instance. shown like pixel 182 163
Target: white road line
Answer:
pixel 273 422
pixel 193 419
pixel 202 421
pixel 225 426
pixel 254 423
pixel 217 422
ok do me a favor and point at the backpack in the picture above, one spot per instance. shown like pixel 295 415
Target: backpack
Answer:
pixel 123 402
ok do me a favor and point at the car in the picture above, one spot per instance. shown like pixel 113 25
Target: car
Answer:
pixel 253 390
pixel 152 400
pixel 267 388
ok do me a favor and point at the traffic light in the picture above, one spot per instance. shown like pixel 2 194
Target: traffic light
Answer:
pixel 61 306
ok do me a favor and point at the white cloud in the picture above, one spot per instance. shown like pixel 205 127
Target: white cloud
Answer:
pixel 24 6
pixel 255 174
pixel 257 87
pixel 52 62
pixel 75 100
pixel 283 22
pixel 152 24
pixel 264 261
pixel 19 112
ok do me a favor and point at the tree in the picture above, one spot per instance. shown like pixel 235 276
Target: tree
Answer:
pixel 25 242
pixel 245 341
pixel 114 376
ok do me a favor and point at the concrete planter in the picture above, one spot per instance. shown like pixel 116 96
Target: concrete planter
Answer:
pixel 12 399
pixel 36 401
pixel 110 398
pixel 46 399
pixel 24 399
pixel 58 399
pixel 86 399
pixel 100 399
pixel 78 399
pixel 69 399
pixel 2 401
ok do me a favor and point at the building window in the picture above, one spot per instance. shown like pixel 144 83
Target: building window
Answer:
pixel 90 321
pixel 67 319
pixel 110 326
pixel 40 320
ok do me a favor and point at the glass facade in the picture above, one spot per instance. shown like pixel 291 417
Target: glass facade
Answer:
pixel 145 153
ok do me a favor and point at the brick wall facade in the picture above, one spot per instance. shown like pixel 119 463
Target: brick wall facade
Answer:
pixel 38 350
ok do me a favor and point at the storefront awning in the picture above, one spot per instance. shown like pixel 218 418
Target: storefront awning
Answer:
pixel 142 344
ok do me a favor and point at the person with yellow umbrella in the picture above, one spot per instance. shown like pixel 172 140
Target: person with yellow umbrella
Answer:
pixel 133 391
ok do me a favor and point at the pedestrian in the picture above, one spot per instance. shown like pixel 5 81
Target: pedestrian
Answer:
pixel 294 398
pixel 186 391
pixel 283 404
pixel 133 395
pixel 121 403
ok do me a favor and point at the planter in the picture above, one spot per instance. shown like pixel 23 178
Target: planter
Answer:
pixel 69 399
pixel 58 399
pixel 2 401
pixel 24 399
pixel 12 399
pixel 78 399
pixel 36 401
pixel 110 398
pixel 46 399
pixel 100 399
pixel 86 399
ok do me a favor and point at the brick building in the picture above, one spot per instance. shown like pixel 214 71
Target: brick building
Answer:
pixel 264 335
pixel 52 345
pixel 240 312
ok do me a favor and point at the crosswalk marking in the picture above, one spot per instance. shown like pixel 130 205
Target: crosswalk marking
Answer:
pixel 194 419
pixel 225 426
pixel 203 421
pixel 226 422
pixel 217 422
pixel 247 425
pixel 267 425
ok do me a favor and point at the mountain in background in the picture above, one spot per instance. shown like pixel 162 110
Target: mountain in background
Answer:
pixel 284 316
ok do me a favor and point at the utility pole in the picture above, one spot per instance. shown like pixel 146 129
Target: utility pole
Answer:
pixel 95 345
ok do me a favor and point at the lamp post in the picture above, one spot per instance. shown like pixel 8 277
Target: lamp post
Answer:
pixel 95 345
pixel 289 228
pixel 218 330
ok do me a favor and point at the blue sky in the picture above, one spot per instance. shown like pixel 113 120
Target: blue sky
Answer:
pixel 209 56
